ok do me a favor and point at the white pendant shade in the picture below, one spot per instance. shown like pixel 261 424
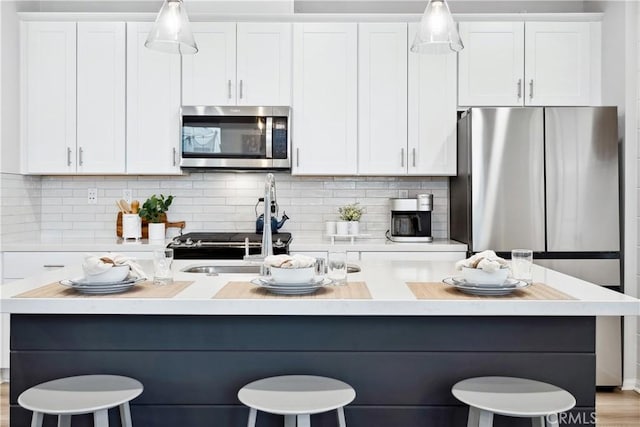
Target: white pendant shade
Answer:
pixel 171 33
pixel 437 32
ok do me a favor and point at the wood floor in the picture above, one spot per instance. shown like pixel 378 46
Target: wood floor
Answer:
pixel 614 409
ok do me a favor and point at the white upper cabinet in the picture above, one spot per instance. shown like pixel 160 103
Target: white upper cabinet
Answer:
pixel 209 76
pixel 243 64
pixel 432 129
pixel 382 99
pixel 558 65
pixel 153 106
pixel 529 63
pixel 263 64
pixel 101 97
pixel 491 65
pixel 325 98
pixel 74 97
pixel 48 56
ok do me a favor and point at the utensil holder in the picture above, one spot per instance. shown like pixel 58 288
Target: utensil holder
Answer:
pixel 131 226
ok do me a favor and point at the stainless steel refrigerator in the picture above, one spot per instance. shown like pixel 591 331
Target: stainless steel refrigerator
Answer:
pixel 545 179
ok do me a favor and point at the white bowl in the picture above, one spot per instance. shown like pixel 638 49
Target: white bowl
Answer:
pixel 117 273
pixel 292 275
pixel 481 277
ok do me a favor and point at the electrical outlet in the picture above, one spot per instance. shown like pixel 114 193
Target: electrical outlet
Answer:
pixel 403 194
pixel 92 196
pixel 127 195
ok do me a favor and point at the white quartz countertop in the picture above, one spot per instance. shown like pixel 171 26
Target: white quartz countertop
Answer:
pixel 386 281
pixel 298 244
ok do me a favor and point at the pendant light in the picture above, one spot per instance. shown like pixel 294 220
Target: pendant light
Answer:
pixel 437 32
pixel 171 32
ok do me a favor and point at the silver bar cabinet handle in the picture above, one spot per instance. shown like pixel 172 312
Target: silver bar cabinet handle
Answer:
pixel 240 89
pixel 531 89
pixel 80 161
pixel 53 266
pixel 402 157
pixel 229 88
pixel 414 157
pixel 297 157
pixel 519 88
pixel 174 156
pixel 68 156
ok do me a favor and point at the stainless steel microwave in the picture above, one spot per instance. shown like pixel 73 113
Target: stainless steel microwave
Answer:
pixel 242 138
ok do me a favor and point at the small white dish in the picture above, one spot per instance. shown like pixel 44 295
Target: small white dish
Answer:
pixel 117 273
pixel 481 277
pixel 293 275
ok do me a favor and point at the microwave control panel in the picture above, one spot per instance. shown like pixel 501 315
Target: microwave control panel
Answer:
pixel 279 140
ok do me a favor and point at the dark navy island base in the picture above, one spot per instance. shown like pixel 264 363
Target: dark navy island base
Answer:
pixel 402 368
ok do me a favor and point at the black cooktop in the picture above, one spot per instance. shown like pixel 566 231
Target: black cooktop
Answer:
pixel 227 245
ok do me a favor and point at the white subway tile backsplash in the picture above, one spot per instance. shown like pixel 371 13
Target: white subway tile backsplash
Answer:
pixel 57 206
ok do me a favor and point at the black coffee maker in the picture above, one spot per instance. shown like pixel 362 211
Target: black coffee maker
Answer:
pixel 411 219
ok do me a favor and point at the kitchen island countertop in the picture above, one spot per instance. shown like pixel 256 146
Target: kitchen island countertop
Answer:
pixel 386 281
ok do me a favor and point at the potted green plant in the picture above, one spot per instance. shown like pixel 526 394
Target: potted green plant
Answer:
pixel 153 211
pixel 349 219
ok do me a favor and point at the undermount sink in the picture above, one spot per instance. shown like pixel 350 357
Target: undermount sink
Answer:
pixel 213 270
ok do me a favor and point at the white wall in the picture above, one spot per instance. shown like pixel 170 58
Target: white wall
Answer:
pixel 9 87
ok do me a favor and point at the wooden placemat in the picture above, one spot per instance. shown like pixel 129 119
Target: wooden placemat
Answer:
pixel 438 290
pixel 246 290
pixel 144 289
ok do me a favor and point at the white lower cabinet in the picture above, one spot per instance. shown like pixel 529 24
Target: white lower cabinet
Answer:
pixel 413 256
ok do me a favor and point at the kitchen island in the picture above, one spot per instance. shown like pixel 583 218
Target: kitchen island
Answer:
pixel 401 354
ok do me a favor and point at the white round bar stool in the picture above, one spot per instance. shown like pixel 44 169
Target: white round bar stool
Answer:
pixel 84 394
pixel 296 397
pixel 514 397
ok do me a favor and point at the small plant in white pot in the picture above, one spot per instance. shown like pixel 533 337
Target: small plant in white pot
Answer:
pixel 153 211
pixel 350 216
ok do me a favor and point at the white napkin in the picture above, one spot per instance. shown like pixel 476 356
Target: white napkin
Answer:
pixel 93 264
pixel 289 261
pixel 486 260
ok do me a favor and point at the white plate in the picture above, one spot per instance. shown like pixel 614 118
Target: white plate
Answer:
pixel 291 290
pixel 81 281
pixel 102 288
pixel 484 290
pixel 509 283
pixel 316 281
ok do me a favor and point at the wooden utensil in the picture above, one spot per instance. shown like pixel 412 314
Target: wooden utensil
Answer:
pixel 125 206
pixel 135 206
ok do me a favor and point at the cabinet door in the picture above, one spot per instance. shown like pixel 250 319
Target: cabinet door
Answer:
pixel 382 99
pixel 432 113
pixel 325 97
pixel 558 63
pixel 153 106
pixel 101 97
pixel 209 76
pixel 49 96
pixel 491 65
pixel 264 64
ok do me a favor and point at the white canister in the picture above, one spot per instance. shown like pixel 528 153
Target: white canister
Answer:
pixel 354 228
pixel 131 226
pixel 156 231
pixel 342 228
pixel 330 228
